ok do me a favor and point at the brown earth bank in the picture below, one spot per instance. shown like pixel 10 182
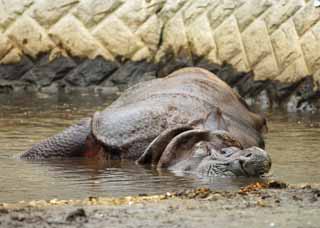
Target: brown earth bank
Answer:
pixel 66 74
pixel 259 205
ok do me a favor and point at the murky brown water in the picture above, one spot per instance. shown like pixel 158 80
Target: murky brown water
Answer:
pixel 24 120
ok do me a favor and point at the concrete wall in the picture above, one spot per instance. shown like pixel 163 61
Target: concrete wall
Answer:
pixel 275 39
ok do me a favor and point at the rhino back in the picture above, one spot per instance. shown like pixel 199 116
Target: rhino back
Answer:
pixel 132 127
pixel 200 84
pixel 142 112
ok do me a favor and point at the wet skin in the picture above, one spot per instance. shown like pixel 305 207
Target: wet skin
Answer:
pixel 190 117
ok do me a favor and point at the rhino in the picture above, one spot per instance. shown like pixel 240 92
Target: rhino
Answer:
pixel 189 121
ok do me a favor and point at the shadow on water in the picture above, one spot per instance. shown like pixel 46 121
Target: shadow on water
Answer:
pixel 292 142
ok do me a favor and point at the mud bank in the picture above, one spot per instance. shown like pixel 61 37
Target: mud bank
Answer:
pixel 257 205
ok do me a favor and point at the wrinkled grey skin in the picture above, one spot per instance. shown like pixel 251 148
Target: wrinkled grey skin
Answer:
pixel 250 162
pixel 188 121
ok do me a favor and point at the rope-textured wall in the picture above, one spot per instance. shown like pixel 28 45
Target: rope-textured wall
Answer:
pixel 276 39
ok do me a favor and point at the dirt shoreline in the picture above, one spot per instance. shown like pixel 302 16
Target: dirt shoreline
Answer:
pixel 259 205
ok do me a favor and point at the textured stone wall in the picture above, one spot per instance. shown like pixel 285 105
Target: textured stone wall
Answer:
pixel 44 41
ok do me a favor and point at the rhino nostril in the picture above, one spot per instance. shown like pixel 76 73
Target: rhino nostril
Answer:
pixel 242 165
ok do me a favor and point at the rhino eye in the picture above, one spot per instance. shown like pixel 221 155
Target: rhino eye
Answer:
pixel 248 155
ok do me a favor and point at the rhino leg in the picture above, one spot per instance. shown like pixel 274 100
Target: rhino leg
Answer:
pixel 154 151
pixel 75 141
pixel 173 145
pixel 181 147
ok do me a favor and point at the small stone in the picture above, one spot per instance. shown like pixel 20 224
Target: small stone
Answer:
pixel 92 198
pixel 265 196
pixel 54 201
pixel 261 203
pixel 74 215
pixel 277 185
pixel 4 211
pixel 19 218
pixel 307 186
pixel 142 194
pixel 213 197
pixel 316 192
pixel 296 198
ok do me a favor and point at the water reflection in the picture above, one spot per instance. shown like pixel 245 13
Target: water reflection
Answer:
pixel 292 142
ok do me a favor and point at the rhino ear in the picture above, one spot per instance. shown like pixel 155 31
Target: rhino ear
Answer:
pixel 154 151
pixel 215 121
pixel 181 147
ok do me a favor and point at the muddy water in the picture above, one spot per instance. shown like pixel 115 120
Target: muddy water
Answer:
pixel 293 142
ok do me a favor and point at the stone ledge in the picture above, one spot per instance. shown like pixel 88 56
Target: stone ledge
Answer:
pixel 216 31
pixel 103 76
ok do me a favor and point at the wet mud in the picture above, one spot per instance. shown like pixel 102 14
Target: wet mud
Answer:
pixel 257 205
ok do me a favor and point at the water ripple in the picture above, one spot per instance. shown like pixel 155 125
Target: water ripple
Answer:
pixel 292 143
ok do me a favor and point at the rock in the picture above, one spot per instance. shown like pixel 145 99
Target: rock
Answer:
pixel 133 72
pixel 15 71
pixel 171 63
pixel 257 44
pixel 274 39
pixel 277 185
pixel 300 98
pixel 3 211
pixel 118 38
pixel 247 87
pixel 31 40
pixel 75 39
pixel 44 72
pixel 150 33
pixel 6 86
pixel 263 101
pixel 92 12
pixel 51 89
pixel 228 40
pixel 106 90
pixel 47 13
pixel 91 72
pixel 78 214
pixel 316 192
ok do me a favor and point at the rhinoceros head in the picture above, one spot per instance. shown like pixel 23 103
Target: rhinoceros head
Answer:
pixel 212 153
pixel 231 161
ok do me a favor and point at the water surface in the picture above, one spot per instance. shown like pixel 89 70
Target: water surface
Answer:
pixel 292 141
